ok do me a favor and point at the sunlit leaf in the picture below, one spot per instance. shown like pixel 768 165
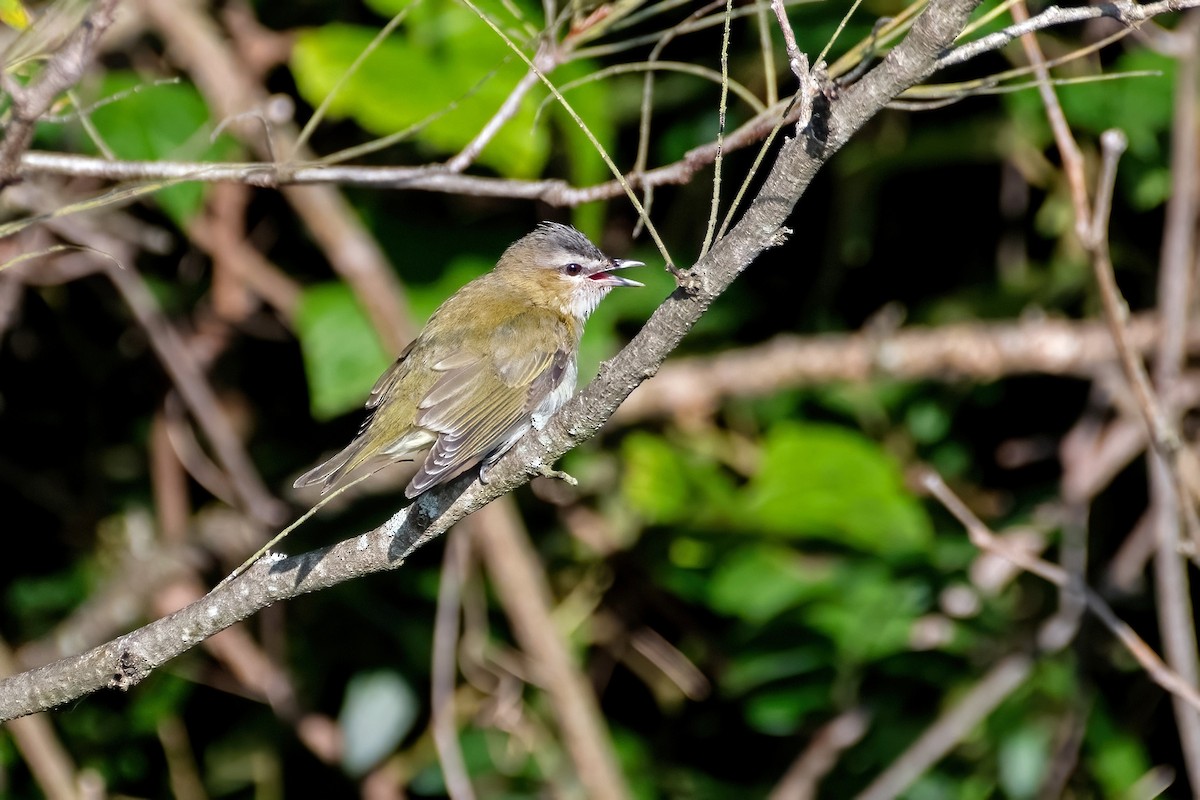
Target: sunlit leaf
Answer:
pixel 439 56
pixel 757 582
pixel 342 356
pixel 783 711
pixel 833 483
pixel 869 592
pixel 166 121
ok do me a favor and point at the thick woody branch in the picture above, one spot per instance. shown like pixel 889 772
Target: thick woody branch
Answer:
pixel 952 352
pixel 127 660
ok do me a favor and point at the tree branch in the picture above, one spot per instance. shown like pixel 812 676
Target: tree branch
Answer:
pixel 974 351
pixel 125 661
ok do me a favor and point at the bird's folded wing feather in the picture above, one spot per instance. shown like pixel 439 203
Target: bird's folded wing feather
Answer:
pixel 479 402
pixel 389 378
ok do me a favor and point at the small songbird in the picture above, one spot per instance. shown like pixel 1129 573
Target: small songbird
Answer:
pixel 498 357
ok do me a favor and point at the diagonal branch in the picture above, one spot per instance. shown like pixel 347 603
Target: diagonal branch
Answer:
pixel 127 660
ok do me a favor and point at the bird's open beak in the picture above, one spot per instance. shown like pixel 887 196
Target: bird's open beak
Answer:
pixel 608 279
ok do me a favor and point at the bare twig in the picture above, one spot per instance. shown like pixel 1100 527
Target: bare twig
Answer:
pixel 954 724
pixel 445 666
pixel 547 60
pixel 193 40
pixel 521 585
pixel 1072 158
pixel 797 60
pixel 432 179
pixel 711 230
pixel 1169 469
pixel 984 539
pixel 1125 11
pixel 537 68
pixel 804 776
pixel 220 232
pixel 189 378
pixel 186 783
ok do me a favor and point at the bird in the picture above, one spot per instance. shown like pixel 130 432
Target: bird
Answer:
pixel 498 357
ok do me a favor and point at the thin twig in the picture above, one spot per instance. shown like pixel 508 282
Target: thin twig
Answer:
pixel 983 538
pixel 950 728
pixel 803 777
pixel 641 158
pixel 538 69
pixel 444 670
pixel 1169 470
pixel 797 61
pixel 508 109
pixel 319 112
pixel 969 351
pixel 768 54
pixel 719 159
pixel 1072 158
pixel 1125 11
pixel 521 584
pixel 193 40
pixel 193 387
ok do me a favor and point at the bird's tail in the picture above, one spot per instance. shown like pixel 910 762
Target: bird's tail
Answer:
pixel 330 472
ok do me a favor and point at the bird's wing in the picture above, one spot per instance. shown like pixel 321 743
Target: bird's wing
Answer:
pixel 483 400
pixel 389 377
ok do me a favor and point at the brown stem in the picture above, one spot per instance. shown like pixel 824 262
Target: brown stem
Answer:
pixel 521 584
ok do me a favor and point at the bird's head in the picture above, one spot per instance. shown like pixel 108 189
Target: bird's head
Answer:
pixel 557 267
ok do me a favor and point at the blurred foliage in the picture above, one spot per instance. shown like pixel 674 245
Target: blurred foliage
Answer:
pixel 775 545
pixel 163 122
pixel 342 354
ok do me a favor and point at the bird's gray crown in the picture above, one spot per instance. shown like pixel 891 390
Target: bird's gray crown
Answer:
pixel 564 237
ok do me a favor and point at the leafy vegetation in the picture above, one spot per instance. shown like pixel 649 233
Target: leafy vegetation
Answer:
pixel 729 579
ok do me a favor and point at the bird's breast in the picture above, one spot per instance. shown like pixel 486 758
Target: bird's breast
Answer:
pixel 558 395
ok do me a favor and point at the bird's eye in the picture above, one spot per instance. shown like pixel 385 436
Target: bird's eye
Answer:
pixel 572 269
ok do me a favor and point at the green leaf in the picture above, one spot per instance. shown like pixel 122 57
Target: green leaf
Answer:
pixel 758 581
pixel 1117 758
pixel 1023 758
pixel 1142 107
pixel 156 123
pixel 378 711
pixel 442 55
pixel 827 482
pixel 868 594
pixel 667 486
pixel 342 356
pixel 654 480
pixel 782 712
pixel 749 670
